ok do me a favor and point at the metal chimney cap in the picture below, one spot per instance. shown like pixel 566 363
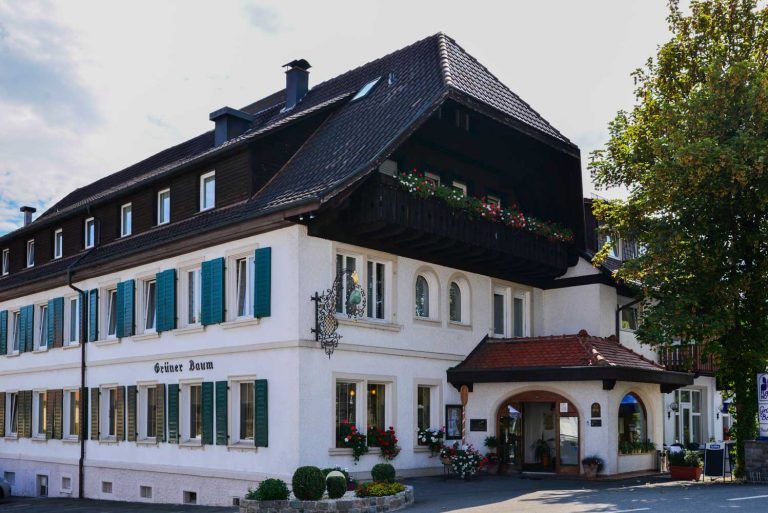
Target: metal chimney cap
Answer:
pixel 301 64
pixel 26 209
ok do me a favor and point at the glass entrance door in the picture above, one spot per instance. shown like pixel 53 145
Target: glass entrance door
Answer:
pixel 688 417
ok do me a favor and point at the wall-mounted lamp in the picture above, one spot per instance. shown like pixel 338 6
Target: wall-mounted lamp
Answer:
pixel 672 407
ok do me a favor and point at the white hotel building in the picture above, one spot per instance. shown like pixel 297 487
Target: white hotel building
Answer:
pixel 156 326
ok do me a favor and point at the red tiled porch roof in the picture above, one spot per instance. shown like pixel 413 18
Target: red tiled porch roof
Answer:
pixel 577 350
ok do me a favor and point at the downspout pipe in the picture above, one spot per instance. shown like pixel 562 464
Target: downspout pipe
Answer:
pixel 619 309
pixel 83 390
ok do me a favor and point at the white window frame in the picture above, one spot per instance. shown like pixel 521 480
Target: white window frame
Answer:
pixel 30 253
pixel 108 313
pixel 465 309
pixel 249 264
pixel 433 284
pixel 435 403
pixel 203 197
pixel 142 405
pixel 89 233
pixel 506 293
pixel 490 199
pixel 66 424
pixel 525 298
pixel 6 261
pixel 143 304
pixel 359 265
pixel 185 414
pixel 371 295
pixel 58 243
pixel 433 179
pixel 72 339
pixel 184 295
pixel 361 404
pixel 105 411
pixel 126 219
pixel 9 396
pixel 461 187
pixel 41 327
pixel 234 412
pixel 36 398
pixel 160 210
pixel 231 282
pixel 14 319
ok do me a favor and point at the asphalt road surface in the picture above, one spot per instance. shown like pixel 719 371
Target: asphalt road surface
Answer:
pixel 497 494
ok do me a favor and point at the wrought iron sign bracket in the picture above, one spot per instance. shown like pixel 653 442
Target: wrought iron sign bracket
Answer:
pixel 326 323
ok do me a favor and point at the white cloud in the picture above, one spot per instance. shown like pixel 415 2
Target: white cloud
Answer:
pixel 97 86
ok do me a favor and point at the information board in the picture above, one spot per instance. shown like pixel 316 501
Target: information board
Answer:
pixel 714 460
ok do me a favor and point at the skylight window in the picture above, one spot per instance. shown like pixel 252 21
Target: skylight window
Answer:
pixel 366 89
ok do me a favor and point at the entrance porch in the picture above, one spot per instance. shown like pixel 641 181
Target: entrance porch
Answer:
pixel 552 401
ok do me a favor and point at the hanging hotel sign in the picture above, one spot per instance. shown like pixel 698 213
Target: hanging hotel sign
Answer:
pixel 346 292
pixel 762 405
pixel 176 368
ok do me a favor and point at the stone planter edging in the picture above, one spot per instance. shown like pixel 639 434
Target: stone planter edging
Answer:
pixel 342 505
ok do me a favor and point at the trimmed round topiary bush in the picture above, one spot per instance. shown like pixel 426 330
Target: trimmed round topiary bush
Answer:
pixel 272 490
pixel 308 483
pixel 337 486
pixel 344 471
pixel 383 473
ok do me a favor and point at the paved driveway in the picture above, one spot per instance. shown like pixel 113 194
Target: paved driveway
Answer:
pixel 498 494
pixel 507 494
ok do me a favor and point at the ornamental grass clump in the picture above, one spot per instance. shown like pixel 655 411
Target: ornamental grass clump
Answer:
pixel 269 490
pixel 383 473
pixel 379 489
pixel 308 483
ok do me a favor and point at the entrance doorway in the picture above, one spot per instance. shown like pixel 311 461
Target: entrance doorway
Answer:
pixel 538 432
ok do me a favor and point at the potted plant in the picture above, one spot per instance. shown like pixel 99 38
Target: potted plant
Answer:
pixel 446 453
pixel 541 451
pixel 685 465
pixel 491 442
pixel 592 466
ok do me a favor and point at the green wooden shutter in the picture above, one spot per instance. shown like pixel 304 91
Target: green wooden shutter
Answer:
pixel 4 332
pixel 25 408
pixel 160 415
pixel 173 414
pixel 58 320
pixel 95 413
pixel 261 413
pixel 207 407
pixel 93 315
pixel 262 286
pixel 212 277
pixel 27 328
pixel 131 403
pixel 50 403
pixel 49 318
pixel 2 414
pixel 120 413
pixel 222 432
pixel 83 413
pixel 165 286
pixel 126 293
pixel 58 413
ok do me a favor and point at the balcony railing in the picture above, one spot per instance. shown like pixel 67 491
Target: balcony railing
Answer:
pixel 690 358
pixel 383 215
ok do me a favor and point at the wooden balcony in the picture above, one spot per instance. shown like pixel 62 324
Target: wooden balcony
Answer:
pixel 382 215
pixel 690 358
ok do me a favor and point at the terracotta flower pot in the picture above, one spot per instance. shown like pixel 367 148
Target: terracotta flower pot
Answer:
pixel 685 473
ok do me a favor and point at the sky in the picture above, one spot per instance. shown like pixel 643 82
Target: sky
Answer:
pixel 90 87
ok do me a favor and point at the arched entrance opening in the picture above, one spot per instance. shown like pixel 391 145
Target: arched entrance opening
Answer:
pixel 538 431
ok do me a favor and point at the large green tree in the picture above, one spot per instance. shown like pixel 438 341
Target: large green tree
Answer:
pixel 693 154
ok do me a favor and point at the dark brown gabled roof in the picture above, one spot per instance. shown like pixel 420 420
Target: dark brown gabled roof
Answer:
pixel 354 138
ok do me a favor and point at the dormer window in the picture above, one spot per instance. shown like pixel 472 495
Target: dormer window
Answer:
pixel 31 253
pixel 460 187
pixel 207 191
pixel 58 243
pixel 164 206
pixel 6 261
pixel 90 233
pixel 126 220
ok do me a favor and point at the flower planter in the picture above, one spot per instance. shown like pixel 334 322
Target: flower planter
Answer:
pixel 343 505
pixel 590 471
pixel 685 473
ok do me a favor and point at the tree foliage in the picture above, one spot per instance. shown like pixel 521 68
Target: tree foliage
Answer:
pixel 693 153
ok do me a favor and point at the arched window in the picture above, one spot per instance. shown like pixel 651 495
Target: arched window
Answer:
pixel 454 302
pixel 422 297
pixel 633 427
